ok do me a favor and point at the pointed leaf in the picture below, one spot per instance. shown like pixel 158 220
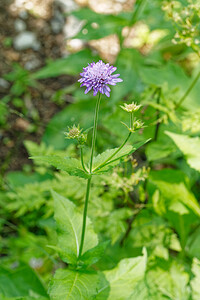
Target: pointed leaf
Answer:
pixel 102 158
pixel 93 255
pixel 72 285
pixel 70 165
pixel 195 281
pixel 167 280
pixel 123 278
pixel 69 225
pixel 190 146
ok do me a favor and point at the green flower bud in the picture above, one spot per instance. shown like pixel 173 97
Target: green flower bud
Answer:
pixel 76 133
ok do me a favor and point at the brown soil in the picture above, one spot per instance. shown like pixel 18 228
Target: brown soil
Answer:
pixel 13 154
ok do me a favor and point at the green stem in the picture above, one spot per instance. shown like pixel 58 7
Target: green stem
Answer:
pixel 110 157
pixel 157 116
pixel 82 161
pixel 131 120
pixel 85 215
pixel 140 5
pixel 188 90
pixel 90 178
pixel 94 131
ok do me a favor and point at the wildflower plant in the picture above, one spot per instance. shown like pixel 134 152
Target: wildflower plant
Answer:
pixel 78 244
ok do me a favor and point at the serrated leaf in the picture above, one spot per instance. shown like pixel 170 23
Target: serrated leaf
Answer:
pixel 72 285
pixel 123 278
pixel 93 255
pixel 69 226
pixel 195 280
pixel 70 165
pixel 189 146
pixel 167 280
pixel 102 158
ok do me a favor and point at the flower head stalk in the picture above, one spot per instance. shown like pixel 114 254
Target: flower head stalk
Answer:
pixel 134 123
pixel 98 76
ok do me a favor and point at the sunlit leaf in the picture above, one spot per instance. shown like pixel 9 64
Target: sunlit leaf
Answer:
pixel 123 278
pixel 71 285
pixel 190 147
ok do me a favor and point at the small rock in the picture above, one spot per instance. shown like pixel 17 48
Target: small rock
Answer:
pixel 72 27
pixel 4 83
pixel 67 6
pixel 75 45
pixel 20 25
pixel 56 26
pixel 32 64
pixel 21 124
pixel 23 14
pixel 26 40
pixel 57 22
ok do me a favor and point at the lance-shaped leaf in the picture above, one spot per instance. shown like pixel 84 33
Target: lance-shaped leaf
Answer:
pixel 71 285
pixel 69 226
pixel 107 160
pixel 70 165
pixel 122 279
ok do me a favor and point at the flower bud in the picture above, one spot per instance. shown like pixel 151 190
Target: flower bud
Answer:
pixel 76 133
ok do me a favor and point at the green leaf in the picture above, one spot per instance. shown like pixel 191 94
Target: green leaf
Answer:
pixel 171 77
pixel 159 149
pixel 173 187
pixel 70 165
pixel 75 113
pixel 20 282
pixel 69 227
pixel 165 280
pixel 190 146
pixel 123 278
pixel 193 244
pixel 72 285
pixel 93 255
pixel 106 24
pixel 179 205
pixel 195 281
pixel 103 157
pixel 71 65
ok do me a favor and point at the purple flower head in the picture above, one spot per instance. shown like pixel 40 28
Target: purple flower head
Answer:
pixel 97 76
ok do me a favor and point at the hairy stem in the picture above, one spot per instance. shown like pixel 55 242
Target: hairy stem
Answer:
pixel 82 161
pixel 94 130
pixel 157 116
pixel 85 215
pixel 188 90
pixel 90 178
